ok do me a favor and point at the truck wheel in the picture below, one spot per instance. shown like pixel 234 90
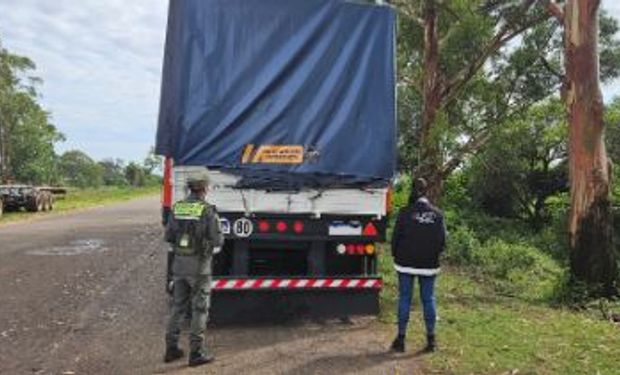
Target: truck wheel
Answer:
pixel 51 203
pixel 40 202
pixel 35 203
pixel 47 202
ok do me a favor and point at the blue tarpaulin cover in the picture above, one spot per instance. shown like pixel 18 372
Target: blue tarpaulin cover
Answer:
pixel 294 91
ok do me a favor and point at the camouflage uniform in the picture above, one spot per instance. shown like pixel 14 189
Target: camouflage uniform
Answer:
pixel 191 269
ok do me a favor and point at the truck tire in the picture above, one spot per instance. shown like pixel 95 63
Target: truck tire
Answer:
pixel 47 201
pixel 51 202
pixel 35 203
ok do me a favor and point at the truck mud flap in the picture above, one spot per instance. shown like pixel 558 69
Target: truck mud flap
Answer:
pixel 277 306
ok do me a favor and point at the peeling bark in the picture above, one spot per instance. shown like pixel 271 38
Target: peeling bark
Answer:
pixel 590 223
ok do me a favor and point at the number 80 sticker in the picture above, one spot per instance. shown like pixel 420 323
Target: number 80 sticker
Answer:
pixel 243 228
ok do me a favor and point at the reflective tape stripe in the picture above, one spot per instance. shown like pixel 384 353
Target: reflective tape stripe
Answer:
pixel 254 284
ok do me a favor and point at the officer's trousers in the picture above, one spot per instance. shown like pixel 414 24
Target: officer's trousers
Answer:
pixel 196 290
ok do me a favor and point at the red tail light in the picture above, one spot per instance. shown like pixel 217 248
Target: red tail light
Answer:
pixel 298 226
pixel 350 249
pixel 264 226
pixel 281 226
pixel 360 249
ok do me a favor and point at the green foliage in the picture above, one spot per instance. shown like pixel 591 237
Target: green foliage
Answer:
pixel 612 127
pixel 523 164
pixel 80 170
pixel 113 172
pixel 27 137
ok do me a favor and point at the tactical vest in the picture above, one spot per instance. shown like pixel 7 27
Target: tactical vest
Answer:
pixel 190 227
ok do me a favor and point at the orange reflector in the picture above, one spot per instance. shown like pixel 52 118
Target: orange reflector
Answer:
pixel 370 230
pixel 370 249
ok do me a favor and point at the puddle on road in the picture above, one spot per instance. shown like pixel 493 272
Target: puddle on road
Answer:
pixel 76 247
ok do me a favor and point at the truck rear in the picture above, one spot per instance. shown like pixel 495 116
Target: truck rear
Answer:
pixel 290 108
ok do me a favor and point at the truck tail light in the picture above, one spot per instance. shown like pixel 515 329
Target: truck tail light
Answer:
pixel 370 249
pixel 350 249
pixel 281 226
pixel 341 249
pixel 264 226
pixel 356 249
pixel 359 249
pixel 298 226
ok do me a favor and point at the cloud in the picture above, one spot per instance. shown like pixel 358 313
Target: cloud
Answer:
pixel 101 63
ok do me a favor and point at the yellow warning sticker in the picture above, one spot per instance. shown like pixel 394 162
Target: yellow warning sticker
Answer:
pixel 273 154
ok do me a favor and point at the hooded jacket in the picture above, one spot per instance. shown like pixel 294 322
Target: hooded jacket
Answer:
pixel 418 239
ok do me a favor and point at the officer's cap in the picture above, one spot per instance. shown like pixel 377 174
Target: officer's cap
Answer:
pixel 198 181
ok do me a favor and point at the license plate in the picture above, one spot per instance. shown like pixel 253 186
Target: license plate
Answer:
pixel 341 228
pixel 225 226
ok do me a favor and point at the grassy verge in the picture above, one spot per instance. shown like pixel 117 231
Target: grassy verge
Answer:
pixel 84 198
pixel 481 332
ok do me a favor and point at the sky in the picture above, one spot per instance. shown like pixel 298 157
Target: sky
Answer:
pixel 101 66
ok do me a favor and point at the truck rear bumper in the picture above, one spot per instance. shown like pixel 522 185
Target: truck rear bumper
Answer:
pixel 277 306
pixel 295 284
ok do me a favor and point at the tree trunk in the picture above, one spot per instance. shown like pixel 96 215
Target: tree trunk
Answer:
pixel 429 165
pixel 593 258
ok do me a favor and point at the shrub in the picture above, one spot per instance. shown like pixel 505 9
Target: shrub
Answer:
pixel 462 243
pixel 517 269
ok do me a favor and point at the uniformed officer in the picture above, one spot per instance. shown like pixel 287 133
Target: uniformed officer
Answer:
pixel 194 231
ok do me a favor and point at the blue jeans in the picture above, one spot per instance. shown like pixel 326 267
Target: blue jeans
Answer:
pixel 427 296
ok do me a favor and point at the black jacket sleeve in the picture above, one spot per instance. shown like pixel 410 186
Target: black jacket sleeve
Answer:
pixel 443 234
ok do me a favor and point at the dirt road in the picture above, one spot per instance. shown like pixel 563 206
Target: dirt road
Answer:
pixel 81 293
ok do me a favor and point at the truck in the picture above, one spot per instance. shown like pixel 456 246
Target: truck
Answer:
pixel 289 107
pixel 15 197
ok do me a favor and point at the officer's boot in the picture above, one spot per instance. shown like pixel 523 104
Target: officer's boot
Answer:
pixel 173 353
pixel 200 357
pixel 398 345
pixel 431 344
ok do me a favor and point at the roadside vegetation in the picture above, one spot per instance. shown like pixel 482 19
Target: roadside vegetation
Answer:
pixel 504 302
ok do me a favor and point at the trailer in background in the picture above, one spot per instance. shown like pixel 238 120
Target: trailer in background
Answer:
pixel 16 197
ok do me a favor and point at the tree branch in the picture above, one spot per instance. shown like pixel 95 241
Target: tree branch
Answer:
pixel 503 36
pixel 411 82
pixel 408 10
pixel 550 68
pixel 473 145
pixel 554 9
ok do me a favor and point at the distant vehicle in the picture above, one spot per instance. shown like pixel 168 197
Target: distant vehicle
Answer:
pixel 15 197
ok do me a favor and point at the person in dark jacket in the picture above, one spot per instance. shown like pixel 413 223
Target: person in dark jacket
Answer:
pixel 418 240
